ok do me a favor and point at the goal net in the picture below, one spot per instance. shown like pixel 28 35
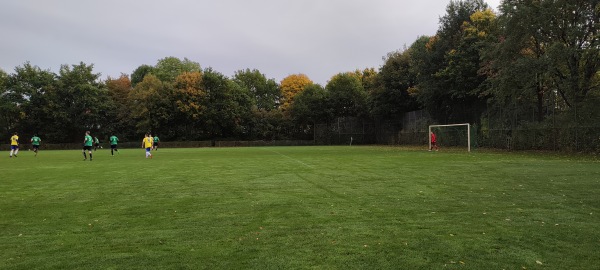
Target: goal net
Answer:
pixel 454 135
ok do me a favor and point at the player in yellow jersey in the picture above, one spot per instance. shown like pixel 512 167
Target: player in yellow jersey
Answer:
pixel 147 143
pixel 14 145
pixel 152 140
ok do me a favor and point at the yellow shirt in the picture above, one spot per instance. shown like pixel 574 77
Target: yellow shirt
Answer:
pixel 14 140
pixel 147 142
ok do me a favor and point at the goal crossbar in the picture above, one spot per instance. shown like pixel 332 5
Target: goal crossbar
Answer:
pixel 453 125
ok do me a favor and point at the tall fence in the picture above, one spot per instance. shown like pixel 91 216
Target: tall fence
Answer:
pixel 569 139
pixel 352 130
pixel 573 130
pixel 558 131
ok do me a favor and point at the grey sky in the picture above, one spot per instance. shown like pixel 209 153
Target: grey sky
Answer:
pixel 319 38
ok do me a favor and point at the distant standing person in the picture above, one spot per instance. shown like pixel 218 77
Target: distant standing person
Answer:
pixel 35 143
pixel 14 145
pixel 96 143
pixel 113 144
pixel 147 143
pixel 155 142
pixel 87 145
pixel 433 142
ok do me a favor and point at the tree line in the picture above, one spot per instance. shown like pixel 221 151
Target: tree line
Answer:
pixel 538 58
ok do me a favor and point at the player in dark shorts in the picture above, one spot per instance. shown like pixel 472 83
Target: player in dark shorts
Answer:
pixel 113 144
pixel 87 145
pixel 155 142
pixel 96 143
pixel 35 144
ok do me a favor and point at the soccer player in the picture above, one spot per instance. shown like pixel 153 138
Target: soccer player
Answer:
pixel 14 145
pixel 151 140
pixel 96 143
pixel 87 145
pixel 35 143
pixel 433 142
pixel 155 142
pixel 113 144
pixel 147 143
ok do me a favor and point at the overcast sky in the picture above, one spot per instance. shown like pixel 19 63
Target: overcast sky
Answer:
pixel 319 38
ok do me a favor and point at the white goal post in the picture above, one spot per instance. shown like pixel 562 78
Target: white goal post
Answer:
pixel 452 125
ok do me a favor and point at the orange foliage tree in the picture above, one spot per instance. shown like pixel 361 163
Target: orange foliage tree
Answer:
pixel 290 87
pixel 189 93
pixel 119 88
pixel 118 91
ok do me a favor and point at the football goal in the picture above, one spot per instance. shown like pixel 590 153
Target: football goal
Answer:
pixel 453 135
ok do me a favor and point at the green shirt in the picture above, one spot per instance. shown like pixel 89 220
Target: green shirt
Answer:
pixel 96 140
pixel 88 140
pixel 35 140
pixel 156 139
pixel 113 140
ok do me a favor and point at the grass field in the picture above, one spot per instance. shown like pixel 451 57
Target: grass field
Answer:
pixel 299 208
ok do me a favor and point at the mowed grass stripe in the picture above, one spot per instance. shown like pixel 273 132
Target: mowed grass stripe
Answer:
pixel 298 207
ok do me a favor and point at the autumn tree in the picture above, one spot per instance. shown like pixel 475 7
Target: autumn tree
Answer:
pixel 190 101
pixel 118 91
pixel 368 78
pixel 290 87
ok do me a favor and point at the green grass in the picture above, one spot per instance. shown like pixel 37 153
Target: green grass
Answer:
pixel 298 208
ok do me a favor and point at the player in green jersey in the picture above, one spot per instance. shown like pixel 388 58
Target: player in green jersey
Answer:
pixel 87 145
pixel 155 142
pixel 113 144
pixel 35 143
pixel 96 143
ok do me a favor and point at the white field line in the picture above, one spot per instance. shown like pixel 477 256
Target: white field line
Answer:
pixel 294 159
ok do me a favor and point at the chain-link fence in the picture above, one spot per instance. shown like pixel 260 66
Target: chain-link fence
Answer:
pixel 520 128
pixel 352 130
pixel 552 126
